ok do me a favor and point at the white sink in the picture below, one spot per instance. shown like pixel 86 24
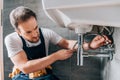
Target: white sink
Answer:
pixel 83 13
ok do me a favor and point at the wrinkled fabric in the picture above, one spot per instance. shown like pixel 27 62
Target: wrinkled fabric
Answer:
pixel 23 76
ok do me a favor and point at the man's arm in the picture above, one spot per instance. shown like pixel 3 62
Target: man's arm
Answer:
pixel 70 44
pixel 67 44
pixel 26 66
pixel 97 42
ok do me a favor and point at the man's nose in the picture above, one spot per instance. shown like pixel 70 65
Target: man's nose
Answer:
pixel 35 34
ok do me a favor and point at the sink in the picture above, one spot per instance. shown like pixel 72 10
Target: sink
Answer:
pixel 83 12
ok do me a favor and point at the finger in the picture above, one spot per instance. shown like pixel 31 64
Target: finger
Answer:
pixel 97 37
pixel 107 41
pixel 106 38
pixel 101 40
pixel 72 50
pixel 102 44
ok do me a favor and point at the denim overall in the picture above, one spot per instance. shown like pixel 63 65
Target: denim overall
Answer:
pixel 35 53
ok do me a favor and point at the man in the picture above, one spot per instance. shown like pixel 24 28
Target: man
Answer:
pixel 28 47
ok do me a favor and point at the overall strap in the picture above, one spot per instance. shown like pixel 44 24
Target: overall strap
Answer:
pixel 36 51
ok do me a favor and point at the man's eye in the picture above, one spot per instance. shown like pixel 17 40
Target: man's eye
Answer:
pixel 36 28
pixel 28 32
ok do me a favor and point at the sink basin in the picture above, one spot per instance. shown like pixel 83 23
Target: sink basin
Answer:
pixel 83 13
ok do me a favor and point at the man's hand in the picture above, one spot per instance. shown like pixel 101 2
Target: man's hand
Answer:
pixel 99 41
pixel 63 54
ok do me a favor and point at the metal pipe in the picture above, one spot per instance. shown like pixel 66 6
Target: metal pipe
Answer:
pixel 96 55
pixel 80 50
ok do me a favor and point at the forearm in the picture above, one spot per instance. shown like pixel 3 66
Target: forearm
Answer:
pixel 37 64
pixel 73 44
pixel 27 66
pixel 67 44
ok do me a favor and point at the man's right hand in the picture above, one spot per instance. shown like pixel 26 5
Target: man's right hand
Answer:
pixel 63 54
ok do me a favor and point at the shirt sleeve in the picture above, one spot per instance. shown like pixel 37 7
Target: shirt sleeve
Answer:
pixel 53 36
pixel 13 45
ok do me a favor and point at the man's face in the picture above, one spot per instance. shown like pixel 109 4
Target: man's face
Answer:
pixel 29 30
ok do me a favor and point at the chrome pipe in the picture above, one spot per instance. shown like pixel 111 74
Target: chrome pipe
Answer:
pixel 80 50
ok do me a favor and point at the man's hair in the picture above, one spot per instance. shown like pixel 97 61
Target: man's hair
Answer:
pixel 20 14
